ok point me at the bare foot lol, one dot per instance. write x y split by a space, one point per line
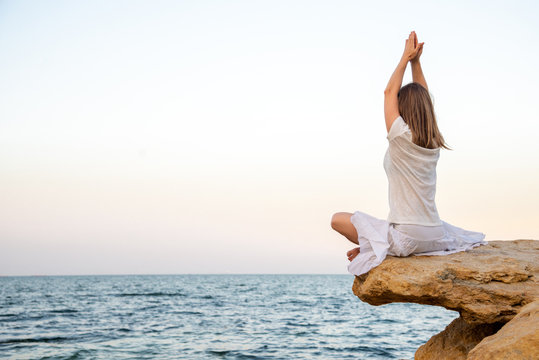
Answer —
352 254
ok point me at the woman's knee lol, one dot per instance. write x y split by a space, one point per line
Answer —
341 223
338 220
335 221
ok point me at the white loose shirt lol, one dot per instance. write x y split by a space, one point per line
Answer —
411 173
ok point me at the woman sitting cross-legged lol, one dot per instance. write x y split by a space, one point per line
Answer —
413 225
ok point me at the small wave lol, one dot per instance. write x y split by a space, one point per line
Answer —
233 353
361 349
187 312
208 297
291 323
81 354
219 352
37 340
246 356
64 311
26 317
11 302
296 302
7 315
150 294
248 290
335 321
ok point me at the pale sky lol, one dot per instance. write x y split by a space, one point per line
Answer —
141 137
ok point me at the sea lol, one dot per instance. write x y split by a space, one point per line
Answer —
206 317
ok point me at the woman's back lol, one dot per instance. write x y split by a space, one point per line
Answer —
411 173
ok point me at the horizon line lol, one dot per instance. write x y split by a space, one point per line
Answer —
168 274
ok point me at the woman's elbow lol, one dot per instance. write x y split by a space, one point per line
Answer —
389 91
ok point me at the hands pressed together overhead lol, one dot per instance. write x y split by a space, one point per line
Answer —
412 49
412 52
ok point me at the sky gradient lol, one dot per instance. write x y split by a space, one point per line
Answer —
220 136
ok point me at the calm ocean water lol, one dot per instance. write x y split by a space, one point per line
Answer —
205 317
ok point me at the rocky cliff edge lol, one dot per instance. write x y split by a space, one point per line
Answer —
494 287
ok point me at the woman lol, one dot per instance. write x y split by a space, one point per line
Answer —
413 225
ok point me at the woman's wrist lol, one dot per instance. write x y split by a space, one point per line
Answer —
403 62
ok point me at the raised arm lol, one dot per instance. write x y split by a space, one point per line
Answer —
417 72
391 103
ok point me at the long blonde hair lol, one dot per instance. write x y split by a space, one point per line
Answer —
415 107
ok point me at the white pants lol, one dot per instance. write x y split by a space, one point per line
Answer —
378 238
429 238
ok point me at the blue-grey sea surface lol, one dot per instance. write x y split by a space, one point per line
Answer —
205 317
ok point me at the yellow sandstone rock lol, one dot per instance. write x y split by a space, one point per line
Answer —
518 339
488 286
455 341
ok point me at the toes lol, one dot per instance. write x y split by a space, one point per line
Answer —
354 251
352 254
